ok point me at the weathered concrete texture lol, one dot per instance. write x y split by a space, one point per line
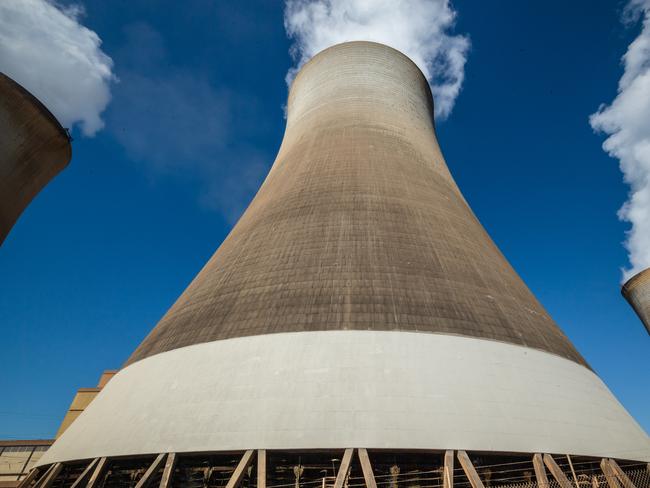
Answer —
359 225
34 148
637 293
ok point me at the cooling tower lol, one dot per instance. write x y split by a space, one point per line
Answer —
636 291
34 148
357 304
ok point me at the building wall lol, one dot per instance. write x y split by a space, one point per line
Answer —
18 457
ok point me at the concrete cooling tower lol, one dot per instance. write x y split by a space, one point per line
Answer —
636 291
34 148
357 327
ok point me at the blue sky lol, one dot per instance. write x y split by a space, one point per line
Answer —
194 124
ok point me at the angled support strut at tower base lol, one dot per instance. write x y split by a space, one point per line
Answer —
620 474
540 471
50 476
94 481
448 470
148 475
469 470
85 474
366 467
344 468
31 476
609 473
168 472
261 468
241 468
557 473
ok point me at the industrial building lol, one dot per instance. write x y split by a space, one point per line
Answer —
18 457
357 327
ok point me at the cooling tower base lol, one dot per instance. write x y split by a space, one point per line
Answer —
345 468
338 389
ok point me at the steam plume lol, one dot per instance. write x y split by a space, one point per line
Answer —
418 28
627 122
45 48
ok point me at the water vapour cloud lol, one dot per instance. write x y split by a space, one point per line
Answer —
44 47
418 28
626 121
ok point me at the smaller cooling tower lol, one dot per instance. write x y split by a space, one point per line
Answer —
34 148
637 293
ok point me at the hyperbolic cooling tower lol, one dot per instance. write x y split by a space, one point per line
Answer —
357 303
34 148
636 291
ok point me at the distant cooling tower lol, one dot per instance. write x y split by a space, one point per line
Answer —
358 304
34 148
637 293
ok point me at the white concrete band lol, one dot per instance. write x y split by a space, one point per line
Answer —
339 389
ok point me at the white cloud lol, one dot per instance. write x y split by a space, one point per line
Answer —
45 48
627 122
418 28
